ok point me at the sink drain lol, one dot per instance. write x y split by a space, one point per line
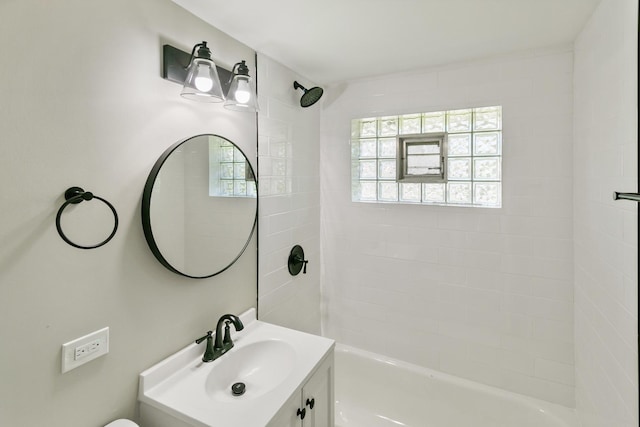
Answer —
238 389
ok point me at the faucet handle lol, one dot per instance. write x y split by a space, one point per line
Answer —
209 333
227 333
208 352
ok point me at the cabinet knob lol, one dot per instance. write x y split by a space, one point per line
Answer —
311 402
301 413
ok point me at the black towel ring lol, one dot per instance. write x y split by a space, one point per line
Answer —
75 195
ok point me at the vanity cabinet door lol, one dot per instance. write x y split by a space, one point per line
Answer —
313 404
318 398
287 415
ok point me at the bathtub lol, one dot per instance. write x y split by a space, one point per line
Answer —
377 391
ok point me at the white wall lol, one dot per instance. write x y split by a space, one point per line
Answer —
289 204
484 294
83 103
606 231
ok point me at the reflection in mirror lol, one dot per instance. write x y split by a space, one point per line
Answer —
199 206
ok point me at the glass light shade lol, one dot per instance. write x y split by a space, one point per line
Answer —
202 82
242 94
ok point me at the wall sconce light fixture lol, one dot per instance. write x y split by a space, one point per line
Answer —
204 81
242 92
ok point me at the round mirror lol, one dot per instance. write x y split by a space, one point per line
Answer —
199 206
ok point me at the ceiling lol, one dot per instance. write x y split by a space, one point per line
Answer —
332 41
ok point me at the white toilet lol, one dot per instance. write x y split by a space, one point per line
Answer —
122 423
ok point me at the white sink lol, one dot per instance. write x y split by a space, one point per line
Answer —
270 360
261 366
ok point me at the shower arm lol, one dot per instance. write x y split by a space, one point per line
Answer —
635 197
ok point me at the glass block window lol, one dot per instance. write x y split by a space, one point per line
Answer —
446 158
229 174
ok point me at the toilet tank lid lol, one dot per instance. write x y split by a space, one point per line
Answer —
122 423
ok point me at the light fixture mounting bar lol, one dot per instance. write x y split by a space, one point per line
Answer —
176 61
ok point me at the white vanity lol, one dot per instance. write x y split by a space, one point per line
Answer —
287 379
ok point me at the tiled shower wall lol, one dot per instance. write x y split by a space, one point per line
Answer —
606 231
485 294
289 204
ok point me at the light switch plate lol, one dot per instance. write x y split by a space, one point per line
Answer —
85 349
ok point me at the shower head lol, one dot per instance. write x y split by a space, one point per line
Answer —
310 97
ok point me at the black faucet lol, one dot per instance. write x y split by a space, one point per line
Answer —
208 353
222 345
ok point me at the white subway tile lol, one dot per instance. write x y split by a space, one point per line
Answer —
518 265
483 354
517 204
420 353
446 238
268 302
545 329
540 388
551 350
517 325
518 284
487 302
558 249
457 221
616 319
517 361
273 280
517 245
388 298
274 204
280 222
452 294
490 242
471 333
554 371
461 366
449 346
448 274
447 313
630 298
553 268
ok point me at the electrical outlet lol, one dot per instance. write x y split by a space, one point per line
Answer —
89 348
85 349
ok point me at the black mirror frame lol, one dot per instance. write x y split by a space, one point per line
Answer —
146 206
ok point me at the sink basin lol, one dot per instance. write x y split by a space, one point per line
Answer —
261 366
270 360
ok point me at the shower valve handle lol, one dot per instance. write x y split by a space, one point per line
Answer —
304 268
297 261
